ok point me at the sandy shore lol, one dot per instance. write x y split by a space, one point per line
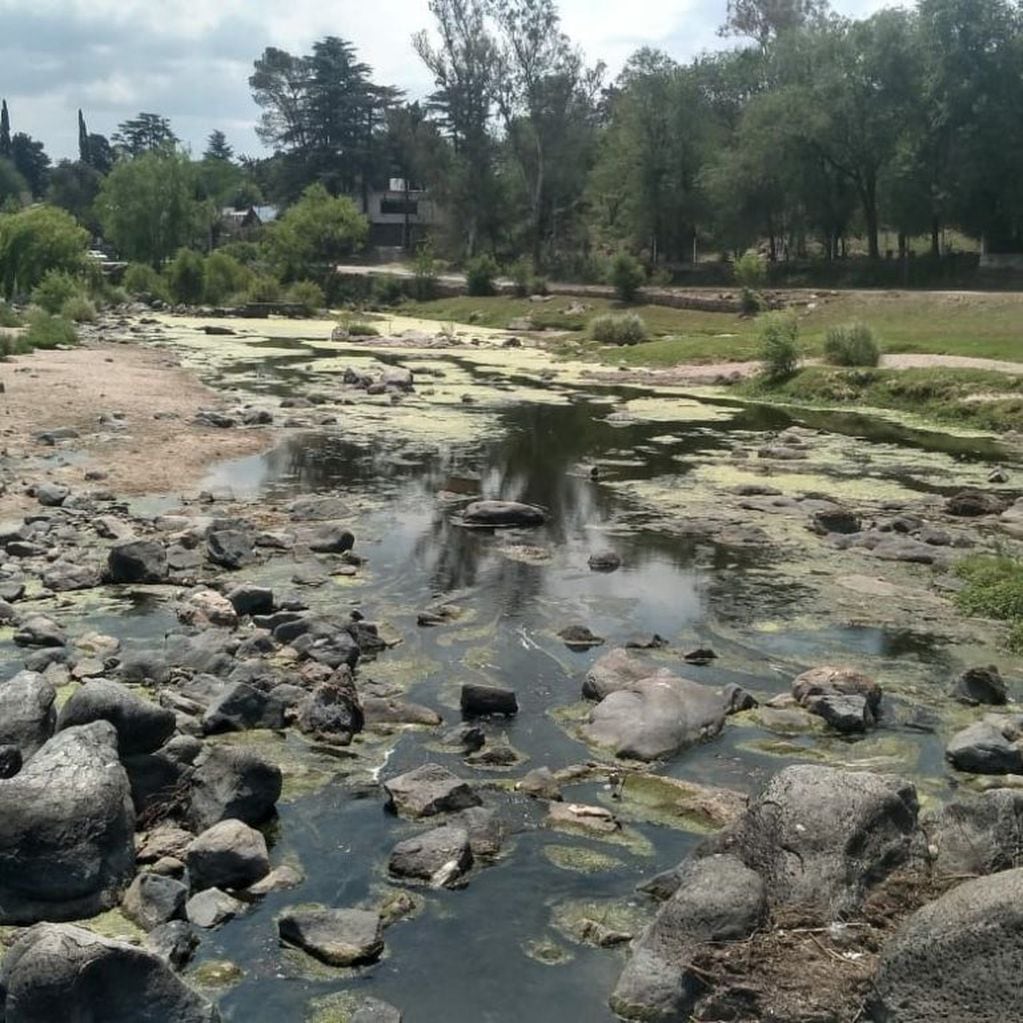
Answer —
133 408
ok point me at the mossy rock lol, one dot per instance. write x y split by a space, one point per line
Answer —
600 923
216 975
548 952
580 859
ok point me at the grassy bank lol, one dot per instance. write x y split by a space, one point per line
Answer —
969 398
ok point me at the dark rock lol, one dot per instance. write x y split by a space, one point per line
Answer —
987 747
214 330
700 657
142 726
257 417
646 641
174 942
502 515
468 738
39 631
228 855
338 937
211 417
579 637
429 790
241 707
152 900
835 520
137 561
441 856
847 700
974 503
605 561
981 685
61 972
977 834
379 711
233 784
10 761
331 539
847 714
212 907
481 701
66 830
252 600
332 711
51 495
229 548
27 717
155 780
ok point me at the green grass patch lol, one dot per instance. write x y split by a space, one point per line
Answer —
46 331
993 589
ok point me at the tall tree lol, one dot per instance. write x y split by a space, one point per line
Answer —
764 20
5 131
217 147
74 187
83 140
30 159
144 134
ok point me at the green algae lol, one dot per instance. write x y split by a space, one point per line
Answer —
656 799
548 952
580 859
216 975
602 923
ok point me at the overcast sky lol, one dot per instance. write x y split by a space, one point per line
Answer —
190 59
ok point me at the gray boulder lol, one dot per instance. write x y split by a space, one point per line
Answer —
240 707
137 561
233 784
152 900
228 855
229 548
66 830
442 855
212 907
847 700
428 791
958 958
142 726
27 717
39 631
981 685
60 972
332 711
51 495
66 576
248 599
990 746
338 937
503 514
331 539
978 834
619 669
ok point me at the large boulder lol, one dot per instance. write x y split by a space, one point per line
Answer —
338 937
958 958
656 718
332 711
240 707
846 699
229 548
228 855
990 746
137 561
231 783
619 669
981 685
820 837
66 830
27 717
977 834
718 899
428 791
61 972
142 726
503 514
442 855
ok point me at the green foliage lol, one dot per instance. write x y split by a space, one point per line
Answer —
387 290
628 329
521 273
307 294
750 272
79 309
317 232
225 277
538 285
9 316
247 253
627 276
851 344
36 241
354 327
424 286
56 288
264 289
142 281
480 274
186 277
779 348
12 185
46 331
993 588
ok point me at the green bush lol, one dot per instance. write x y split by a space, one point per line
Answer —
779 348
354 327
79 309
521 273
852 344
537 285
263 289
187 277
246 253
628 329
307 294
424 285
627 276
142 281
46 331
54 290
387 290
9 316
225 277
750 272
480 274
993 587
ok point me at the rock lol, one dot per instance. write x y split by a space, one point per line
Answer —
835 520
429 790
66 830
318 509
251 600
372 1010
481 701
589 820
701 656
579 637
845 699
211 417
645 641
51 495
974 503
718 899
207 607
27 717
228 855
141 726
61 972
957 958
152 900
986 747
541 784
174 942
820 837
502 515
618 669
39 631
233 784
981 685
278 880
257 417
331 539
977 834
397 377
911 551
378 711
442 853
332 712
137 561
65 577
468 738
229 548
605 561
11 761
337 937
241 707
656 718
847 714
211 908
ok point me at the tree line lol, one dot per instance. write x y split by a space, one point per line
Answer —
806 134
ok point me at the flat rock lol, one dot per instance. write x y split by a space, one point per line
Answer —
443 854
429 790
337 937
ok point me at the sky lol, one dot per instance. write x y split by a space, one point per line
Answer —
190 59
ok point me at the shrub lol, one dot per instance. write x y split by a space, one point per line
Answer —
424 285
225 276
263 289
619 330
993 587
355 327
46 331
79 309
627 276
779 348
387 290
307 294
187 277
479 275
537 285
852 344
8 316
54 290
142 281
750 272
521 272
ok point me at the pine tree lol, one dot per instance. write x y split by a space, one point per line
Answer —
83 140
5 131
217 147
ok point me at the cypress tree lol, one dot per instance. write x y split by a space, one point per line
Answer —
5 131
83 141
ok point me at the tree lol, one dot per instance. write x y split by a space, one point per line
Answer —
36 241
415 153
101 153
217 148
74 187
83 139
317 231
147 206
5 131
31 161
13 187
144 134
764 20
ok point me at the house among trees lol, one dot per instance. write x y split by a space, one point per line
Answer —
400 216
242 223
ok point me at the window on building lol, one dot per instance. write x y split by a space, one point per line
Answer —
395 207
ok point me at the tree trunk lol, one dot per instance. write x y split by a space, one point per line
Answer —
870 215
935 237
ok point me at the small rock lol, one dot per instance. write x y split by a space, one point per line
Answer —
211 908
228 855
481 701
